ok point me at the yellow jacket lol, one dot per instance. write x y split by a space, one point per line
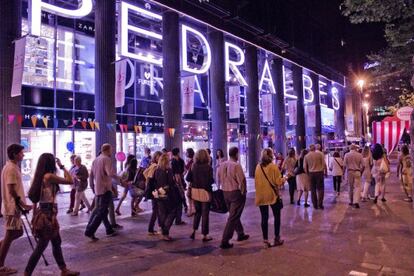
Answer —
264 193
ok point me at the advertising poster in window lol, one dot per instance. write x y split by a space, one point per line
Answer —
292 109
328 119
234 102
120 73
187 95
267 107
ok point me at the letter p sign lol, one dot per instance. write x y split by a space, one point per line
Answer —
36 7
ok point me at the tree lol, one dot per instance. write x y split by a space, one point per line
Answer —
394 68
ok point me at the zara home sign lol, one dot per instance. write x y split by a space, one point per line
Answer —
124 28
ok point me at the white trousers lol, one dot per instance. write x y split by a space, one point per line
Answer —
366 189
80 196
354 182
380 186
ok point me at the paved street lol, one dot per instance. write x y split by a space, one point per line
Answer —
376 239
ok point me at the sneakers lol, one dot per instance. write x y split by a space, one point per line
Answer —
207 239
243 237
408 199
67 272
266 244
117 226
307 205
111 234
92 237
226 245
278 242
69 211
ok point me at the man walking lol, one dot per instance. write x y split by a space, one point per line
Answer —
102 173
12 192
315 166
231 180
353 164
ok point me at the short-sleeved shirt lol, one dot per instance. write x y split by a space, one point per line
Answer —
11 175
230 177
102 171
145 162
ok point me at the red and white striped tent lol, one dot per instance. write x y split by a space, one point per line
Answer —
388 132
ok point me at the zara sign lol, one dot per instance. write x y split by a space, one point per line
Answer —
125 28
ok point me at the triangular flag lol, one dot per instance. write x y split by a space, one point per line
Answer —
34 120
11 118
92 124
171 131
20 119
121 128
136 129
148 129
83 123
66 122
125 128
45 122
74 122
97 126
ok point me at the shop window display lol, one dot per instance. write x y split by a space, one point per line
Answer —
85 147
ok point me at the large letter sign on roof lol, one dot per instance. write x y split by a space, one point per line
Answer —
36 7
231 64
124 28
266 76
207 58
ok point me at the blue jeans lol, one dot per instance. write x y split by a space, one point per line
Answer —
100 214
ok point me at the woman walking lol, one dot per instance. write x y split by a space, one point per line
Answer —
149 176
268 179
367 172
166 194
80 179
405 172
289 168
201 177
44 188
219 157
126 188
380 171
302 179
337 169
129 177
190 160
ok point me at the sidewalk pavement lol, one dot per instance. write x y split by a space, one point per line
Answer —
340 240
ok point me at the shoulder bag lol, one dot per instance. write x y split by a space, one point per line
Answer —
279 201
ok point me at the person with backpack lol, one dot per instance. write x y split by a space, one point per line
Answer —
405 172
45 226
12 193
80 179
337 169
123 175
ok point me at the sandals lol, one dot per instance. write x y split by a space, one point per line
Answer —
5 270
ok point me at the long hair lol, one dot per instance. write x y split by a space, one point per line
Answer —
164 162
366 151
292 153
377 152
266 157
132 169
405 150
303 153
201 157
45 164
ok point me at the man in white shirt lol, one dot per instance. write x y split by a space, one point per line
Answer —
102 173
12 192
353 164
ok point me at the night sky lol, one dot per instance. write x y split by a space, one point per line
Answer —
316 27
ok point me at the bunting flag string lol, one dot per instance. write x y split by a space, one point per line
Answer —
92 124
34 120
45 121
11 118
83 123
97 126
20 119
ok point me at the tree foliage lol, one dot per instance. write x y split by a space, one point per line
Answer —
392 77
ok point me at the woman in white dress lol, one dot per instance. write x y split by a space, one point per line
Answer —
366 173
405 172
380 171
302 179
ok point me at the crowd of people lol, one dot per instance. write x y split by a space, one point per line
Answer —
176 187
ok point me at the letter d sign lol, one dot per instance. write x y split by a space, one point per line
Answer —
36 7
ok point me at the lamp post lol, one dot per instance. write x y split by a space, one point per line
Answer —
366 108
361 84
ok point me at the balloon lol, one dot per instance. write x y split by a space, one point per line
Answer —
120 156
70 146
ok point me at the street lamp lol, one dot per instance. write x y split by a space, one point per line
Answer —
361 83
366 107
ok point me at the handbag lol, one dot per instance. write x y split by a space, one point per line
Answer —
199 194
218 204
279 201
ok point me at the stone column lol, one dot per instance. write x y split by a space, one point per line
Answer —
317 130
10 20
340 114
171 76
253 114
300 124
279 117
105 26
218 93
